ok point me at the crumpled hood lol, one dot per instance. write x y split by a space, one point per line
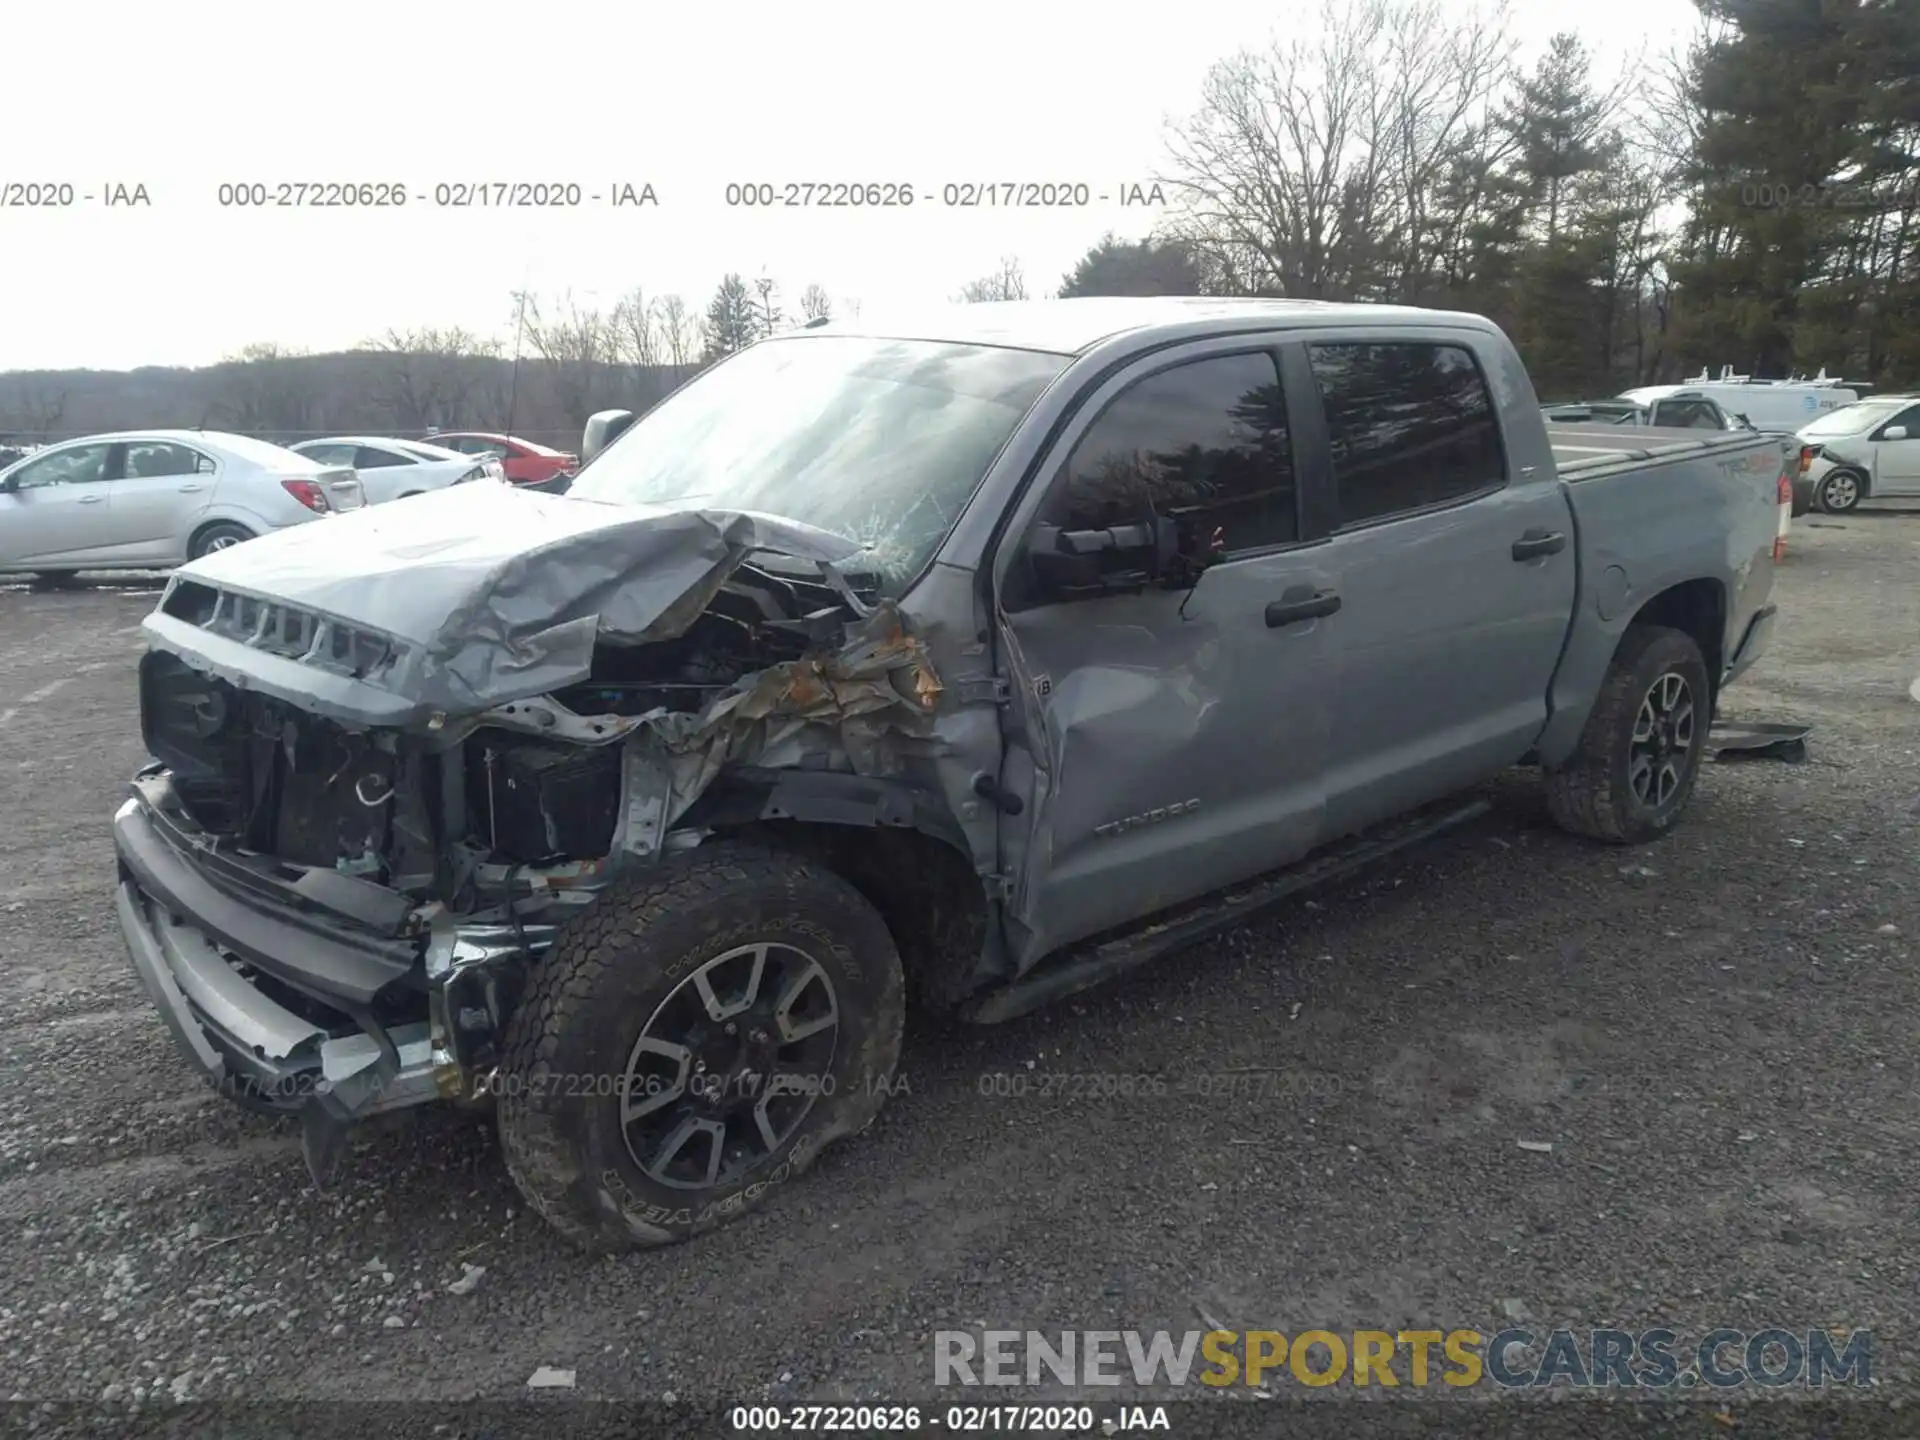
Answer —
493 594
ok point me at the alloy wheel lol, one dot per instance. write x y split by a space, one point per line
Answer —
1663 736
729 1065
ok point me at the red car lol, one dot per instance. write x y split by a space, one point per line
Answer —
525 462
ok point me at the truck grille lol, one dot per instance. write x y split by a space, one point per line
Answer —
281 629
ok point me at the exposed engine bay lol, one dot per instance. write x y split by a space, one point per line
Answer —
541 784
393 758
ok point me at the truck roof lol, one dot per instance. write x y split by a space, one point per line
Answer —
1069 327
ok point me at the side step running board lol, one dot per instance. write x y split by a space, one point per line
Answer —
1081 969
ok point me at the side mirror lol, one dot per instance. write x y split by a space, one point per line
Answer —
1894 432
1153 551
602 430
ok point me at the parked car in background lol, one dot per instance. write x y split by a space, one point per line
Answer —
1867 449
1777 406
10 453
396 469
152 499
525 462
1683 410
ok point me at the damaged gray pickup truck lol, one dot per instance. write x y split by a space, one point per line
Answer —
963 662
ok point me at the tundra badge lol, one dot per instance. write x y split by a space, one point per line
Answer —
1148 817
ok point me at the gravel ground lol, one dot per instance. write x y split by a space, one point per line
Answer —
1714 1035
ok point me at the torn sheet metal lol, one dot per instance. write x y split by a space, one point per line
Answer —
873 700
493 594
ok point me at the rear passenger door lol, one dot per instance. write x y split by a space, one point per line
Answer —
1456 577
1173 741
161 489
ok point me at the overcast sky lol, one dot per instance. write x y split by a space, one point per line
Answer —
185 96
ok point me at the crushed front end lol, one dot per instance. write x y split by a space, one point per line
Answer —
332 881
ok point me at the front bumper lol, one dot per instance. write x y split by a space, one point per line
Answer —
303 1008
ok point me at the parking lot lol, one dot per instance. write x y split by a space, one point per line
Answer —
1715 1035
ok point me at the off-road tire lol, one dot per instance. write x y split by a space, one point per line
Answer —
203 541
1823 491
1590 794
587 1000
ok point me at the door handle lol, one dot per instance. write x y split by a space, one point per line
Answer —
191 489
1301 603
1537 542
90 499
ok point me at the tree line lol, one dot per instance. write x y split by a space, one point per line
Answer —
1751 201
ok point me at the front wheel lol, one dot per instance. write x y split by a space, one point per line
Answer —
1638 758
1839 492
693 1042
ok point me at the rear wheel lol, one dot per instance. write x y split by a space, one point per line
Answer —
223 535
1840 491
693 1042
1640 753
55 579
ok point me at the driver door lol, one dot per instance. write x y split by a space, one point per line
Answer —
1897 461
54 512
1173 741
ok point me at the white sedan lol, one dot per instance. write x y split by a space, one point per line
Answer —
152 499
396 469
1869 449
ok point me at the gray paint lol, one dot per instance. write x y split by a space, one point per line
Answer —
489 593
1155 755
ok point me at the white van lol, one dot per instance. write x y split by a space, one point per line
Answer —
1778 406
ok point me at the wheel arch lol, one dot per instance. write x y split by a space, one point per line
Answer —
1697 607
210 520
892 841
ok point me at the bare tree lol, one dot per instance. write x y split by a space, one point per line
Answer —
437 377
636 329
767 304
679 334
36 413
815 304
1007 282
1311 167
578 345
261 392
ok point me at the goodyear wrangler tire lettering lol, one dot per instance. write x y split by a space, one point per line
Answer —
622 974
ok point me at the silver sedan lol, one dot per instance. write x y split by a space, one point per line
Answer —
152 499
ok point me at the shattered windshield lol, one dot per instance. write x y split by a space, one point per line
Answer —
882 441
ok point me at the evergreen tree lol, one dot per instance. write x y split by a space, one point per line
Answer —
1134 267
733 319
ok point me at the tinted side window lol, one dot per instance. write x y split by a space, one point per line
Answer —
1410 425
1205 443
155 458
368 458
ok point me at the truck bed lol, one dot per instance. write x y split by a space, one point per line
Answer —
1595 450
